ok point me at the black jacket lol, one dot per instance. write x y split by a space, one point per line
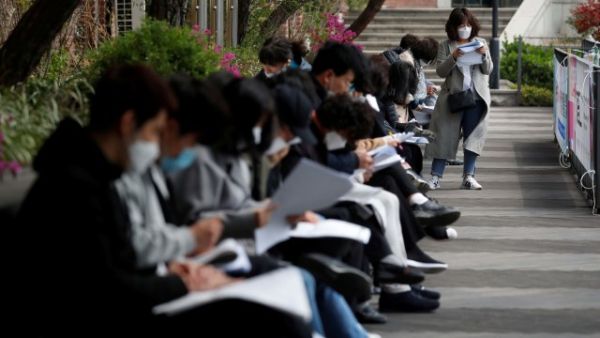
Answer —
77 263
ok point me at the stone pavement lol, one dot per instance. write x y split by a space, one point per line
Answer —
527 260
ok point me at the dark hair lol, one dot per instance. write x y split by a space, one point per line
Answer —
425 49
301 80
362 76
401 76
250 101
128 87
336 56
275 50
457 17
299 51
202 109
408 41
343 114
380 74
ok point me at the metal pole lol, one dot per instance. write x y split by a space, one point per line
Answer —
234 23
202 17
520 64
220 22
495 48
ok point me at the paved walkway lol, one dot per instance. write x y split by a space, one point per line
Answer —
527 261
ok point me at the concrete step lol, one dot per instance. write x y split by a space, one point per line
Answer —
420 28
416 12
407 18
380 45
434 32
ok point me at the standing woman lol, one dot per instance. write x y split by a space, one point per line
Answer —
462 27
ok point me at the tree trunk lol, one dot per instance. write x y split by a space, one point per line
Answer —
32 37
172 11
280 15
367 15
243 17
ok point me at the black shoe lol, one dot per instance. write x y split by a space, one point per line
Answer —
421 183
433 213
385 273
427 293
454 162
406 302
420 260
346 280
366 314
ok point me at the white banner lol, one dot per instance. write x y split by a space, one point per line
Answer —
583 113
561 99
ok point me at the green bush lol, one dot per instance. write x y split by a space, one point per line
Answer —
357 5
536 67
29 113
166 49
536 96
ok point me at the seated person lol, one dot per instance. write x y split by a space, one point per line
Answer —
74 220
274 56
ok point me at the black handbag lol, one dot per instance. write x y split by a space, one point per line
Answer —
461 101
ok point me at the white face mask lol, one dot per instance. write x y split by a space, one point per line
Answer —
464 32
142 154
425 63
334 141
257 132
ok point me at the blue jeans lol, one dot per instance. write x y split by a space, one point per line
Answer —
338 319
331 315
470 120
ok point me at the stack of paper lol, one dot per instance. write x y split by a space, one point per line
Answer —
310 186
470 56
282 289
384 157
228 256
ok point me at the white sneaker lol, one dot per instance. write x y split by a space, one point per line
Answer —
469 183
434 183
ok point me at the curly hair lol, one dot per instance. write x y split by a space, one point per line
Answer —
347 116
457 17
425 49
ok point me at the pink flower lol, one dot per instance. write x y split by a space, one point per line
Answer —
218 49
207 32
196 28
14 167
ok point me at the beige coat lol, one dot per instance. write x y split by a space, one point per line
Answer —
445 124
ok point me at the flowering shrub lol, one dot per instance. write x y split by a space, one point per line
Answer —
335 30
166 49
30 111
586 18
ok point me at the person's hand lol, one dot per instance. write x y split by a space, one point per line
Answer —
367 175
481 50
278 156
430 90
200 277
264 213
207 233
457 53
306 217
392 142
365 160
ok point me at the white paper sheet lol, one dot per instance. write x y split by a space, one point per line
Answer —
401 137
332 228
417 140
228 246
310 186
384 157
427 109
281 289
471 46
470 59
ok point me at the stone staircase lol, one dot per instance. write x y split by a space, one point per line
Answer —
390 25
